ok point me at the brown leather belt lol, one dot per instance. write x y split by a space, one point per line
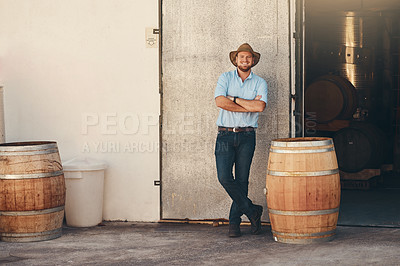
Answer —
236 129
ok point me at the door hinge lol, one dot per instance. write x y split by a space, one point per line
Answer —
157 183
296 113
156 31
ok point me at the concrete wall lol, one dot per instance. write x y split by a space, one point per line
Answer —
197 38
79 72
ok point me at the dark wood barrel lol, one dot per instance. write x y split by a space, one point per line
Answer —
360 146
330 97
32 190
303 190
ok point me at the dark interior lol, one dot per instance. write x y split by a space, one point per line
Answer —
351 80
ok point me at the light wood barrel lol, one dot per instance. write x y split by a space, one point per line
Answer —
32 191
2 126
303 190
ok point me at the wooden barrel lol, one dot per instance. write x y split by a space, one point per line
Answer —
330 97
303 190
359 146
2 126
32 191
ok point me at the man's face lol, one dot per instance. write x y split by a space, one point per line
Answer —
244 61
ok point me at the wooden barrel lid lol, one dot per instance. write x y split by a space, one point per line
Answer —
330 97
359 146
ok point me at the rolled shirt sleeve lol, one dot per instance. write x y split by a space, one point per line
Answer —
222 86
263 91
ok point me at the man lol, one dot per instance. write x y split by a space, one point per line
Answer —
241 95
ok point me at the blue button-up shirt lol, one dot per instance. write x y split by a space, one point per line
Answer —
230 84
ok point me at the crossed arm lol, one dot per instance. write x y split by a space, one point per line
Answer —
241 105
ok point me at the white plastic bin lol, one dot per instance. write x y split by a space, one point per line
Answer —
84 181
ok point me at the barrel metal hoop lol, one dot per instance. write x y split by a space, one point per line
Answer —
303 240
295 144
32 234
29 213
29 237
304 235
22 148
303 213
302 174
302 151
26 153
31 176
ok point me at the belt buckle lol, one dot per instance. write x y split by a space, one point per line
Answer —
235 129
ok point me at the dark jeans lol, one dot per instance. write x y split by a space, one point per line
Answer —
236 149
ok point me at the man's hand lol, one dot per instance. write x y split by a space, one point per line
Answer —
258 97
227 103
241 105
254 106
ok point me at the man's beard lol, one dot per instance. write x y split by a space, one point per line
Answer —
244 69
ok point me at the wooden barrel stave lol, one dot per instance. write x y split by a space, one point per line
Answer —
19 227
21 163
32 190
289 228
32 194
303 190
324 189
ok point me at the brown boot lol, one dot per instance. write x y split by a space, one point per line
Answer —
255 220
234 230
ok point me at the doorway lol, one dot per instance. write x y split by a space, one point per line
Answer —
348 77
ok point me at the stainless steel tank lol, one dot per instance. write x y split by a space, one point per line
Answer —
347 44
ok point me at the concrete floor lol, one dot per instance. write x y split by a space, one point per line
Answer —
127 243
370 207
